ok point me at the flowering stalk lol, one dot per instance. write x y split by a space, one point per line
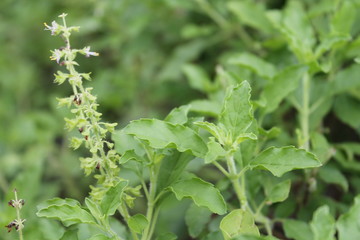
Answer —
84 106
18 223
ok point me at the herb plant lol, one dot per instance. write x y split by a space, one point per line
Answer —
263 145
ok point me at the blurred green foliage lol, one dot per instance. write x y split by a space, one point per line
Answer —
149 53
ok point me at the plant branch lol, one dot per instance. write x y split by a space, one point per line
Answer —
305 113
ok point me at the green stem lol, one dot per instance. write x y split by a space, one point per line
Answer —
239 188
19 220
153 222
305 112
266 221
220 20
151 204
125 213
144 188
223 170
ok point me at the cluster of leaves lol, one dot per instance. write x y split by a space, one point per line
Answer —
298 57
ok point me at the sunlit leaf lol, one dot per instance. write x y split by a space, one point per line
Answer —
178 115
236 115
94 208
215 151
172 166
344 18
160 134
67 211
238 222
348 225
281 160
203 194
206 107
279 192
255 64
112 199
297 230
138 223
294 24
282 85
125 142
329 42
323 224
130 155
333 175
346 79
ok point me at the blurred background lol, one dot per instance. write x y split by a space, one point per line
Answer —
144 46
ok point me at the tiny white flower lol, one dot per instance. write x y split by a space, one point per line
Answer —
56 55
88 53
53 28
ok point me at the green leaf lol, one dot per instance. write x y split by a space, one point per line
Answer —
251 14
333 175
279 192
125 142
67 211
70 235
58 201
245 136
294 24
282 85
213 129
255 64
171 168
178 115
198 78
271 133
94 208
215 152
196 219
138 223
203 194
167 236
112 199
247 237
130 155
344 18
236 115
100 237
51 229
347 109
323 224
206 107
160 134
297 230
238 222
320 147
329 42
348 225
281 160
346 79
216 235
